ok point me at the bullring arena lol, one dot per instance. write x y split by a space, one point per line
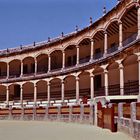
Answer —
89 76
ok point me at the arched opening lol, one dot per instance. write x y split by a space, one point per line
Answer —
56 60
99 88
130 26
113 37
28 65
70 88
42 63
3 70
113 79
131 83
70 56
14 68
28 91
85 48
2 93
14 92
84 85
55 93
42 90
98 44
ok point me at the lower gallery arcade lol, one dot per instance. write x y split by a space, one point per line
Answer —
119 77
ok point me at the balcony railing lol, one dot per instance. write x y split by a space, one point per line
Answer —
130 39
112 49
84 60
98 55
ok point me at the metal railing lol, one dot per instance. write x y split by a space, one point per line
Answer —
112 49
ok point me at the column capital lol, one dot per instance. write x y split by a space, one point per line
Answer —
77 46
121 66
105 71
120 22
62 81
92 75
105 32
77 78
92 40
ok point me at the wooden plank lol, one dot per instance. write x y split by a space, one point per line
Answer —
87 109
28 111
52 110
76 110
4 112
126 110
40 110
65 110
138 111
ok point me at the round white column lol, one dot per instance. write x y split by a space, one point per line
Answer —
7 70
7 96
35 66
63 64
106 81
49 63
121 79
105 43
49 90
92 50
77 48
138 7
21 69
62 90
92 85
120 34
21 95
77 89
35 94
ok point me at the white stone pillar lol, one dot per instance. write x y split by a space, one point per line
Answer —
62 90
35 94
92 50
106 81
49 63
7 70
21 69
92 86
63 63
139 72
77 47
21 95
121 79
49 90
35 66
105 43
77 89
138 21
120 34
7 96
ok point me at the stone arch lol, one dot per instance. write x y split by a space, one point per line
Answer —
42 63
70 87
2 93
3 70
15 71
84 86
55 89
28 91
42 90
84 50
14 91
131 86
28 65
56 59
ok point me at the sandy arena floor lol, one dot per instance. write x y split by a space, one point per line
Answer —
29 130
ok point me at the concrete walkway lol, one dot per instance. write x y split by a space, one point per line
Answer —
29 130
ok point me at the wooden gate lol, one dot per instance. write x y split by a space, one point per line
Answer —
106 116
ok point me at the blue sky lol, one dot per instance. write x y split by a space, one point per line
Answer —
26 21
